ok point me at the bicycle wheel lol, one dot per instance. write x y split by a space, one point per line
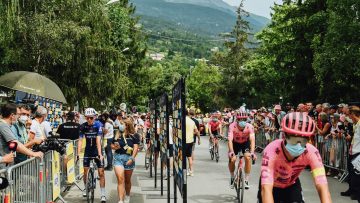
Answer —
90 186
147 160
217 154
212 153
240 186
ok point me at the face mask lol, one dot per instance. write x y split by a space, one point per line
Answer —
121 128
295 150
242 124
23 119
215 119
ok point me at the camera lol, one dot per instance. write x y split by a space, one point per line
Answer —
51 144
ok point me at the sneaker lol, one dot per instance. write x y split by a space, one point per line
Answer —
232 183
127 199
84 194
103 199
191 174
120 201
247 185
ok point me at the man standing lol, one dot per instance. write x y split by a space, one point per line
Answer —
191 129
9 117
36 129
20 132
69 129
354 175
192 115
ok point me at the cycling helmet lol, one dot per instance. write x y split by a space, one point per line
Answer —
90 112
298 123
242 114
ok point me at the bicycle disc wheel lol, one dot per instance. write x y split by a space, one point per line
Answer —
242 186
217 154
212 153
147 161
88 186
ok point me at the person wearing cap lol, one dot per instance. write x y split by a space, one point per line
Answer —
278 117
354 151
69 129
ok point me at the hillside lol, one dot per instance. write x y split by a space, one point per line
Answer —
205 17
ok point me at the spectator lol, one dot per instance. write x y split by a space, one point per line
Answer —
191 129
192 116
126 148
9 117
46 125
20 132
69 129
36 130
322 132
354 176
333 109
108 136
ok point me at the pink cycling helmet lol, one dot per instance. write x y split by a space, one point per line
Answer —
241 115
298 123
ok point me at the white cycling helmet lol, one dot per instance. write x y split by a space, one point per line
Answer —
90 112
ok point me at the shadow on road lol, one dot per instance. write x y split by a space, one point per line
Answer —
212 198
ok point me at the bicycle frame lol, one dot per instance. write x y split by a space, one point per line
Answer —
239 178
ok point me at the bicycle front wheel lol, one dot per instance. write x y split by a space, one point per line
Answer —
212 153
90 186
217 154
240 182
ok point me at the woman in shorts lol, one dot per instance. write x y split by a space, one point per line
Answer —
126 148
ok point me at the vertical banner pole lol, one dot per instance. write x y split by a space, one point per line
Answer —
183 128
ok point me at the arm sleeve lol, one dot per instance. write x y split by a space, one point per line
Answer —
267 169
231 134
317 167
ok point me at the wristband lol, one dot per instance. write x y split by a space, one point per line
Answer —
231 154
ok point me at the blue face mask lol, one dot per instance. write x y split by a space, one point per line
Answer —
295 150
121 128
242 124
215 119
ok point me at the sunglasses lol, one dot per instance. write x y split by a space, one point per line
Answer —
89 118
295 139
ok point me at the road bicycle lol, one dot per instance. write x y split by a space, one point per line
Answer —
91 178
214 151
239 179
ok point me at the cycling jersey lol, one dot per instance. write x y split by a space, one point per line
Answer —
276 170
90 133
214 127
240 136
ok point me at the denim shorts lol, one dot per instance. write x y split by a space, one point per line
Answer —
121 160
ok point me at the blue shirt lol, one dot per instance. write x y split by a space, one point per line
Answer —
90 133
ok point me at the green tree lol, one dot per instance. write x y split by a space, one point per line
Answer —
203 87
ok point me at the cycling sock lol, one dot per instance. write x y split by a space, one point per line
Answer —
232 175
247 175
102 190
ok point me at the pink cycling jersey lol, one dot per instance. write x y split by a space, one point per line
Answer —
240 136
276 170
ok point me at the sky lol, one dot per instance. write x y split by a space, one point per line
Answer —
259 7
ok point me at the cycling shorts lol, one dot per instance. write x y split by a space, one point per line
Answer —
291 194
243 147
99 164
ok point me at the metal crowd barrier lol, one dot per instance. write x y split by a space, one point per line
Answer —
40 181
334 153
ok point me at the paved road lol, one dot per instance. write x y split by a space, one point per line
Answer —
210 183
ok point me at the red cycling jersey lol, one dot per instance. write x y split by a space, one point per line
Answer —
276 170
240 136
214 126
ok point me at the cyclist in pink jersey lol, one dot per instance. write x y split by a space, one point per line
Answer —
241 138
283 161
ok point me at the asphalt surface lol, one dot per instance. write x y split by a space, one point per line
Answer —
210 183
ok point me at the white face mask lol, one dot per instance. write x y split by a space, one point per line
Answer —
23 119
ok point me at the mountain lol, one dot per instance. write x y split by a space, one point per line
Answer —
205 17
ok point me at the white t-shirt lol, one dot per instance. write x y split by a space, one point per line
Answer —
171 142
110 130
37 129
47 128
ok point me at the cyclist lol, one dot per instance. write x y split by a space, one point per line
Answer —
92 132
241 137
215 131
284 159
